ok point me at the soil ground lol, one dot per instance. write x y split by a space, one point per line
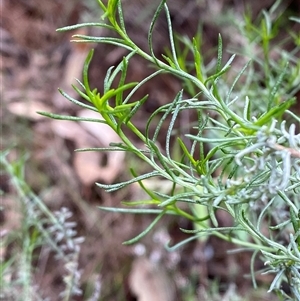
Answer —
36 60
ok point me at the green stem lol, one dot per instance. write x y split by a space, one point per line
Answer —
224 110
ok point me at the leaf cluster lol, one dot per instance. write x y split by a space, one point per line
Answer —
243 150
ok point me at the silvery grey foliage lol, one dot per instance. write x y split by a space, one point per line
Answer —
239 156
273 159
64 234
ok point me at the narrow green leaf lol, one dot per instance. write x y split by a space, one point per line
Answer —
276 87
141 83
177 197
109 94
167 109
82 94
295 19
151 28
146 231
140 203
70 118
175 112
105 40
85 73
90 24
137 106
218 140
111 11
247 109
197 60
121 17
186 152
171 37
235 81
140 182
161 158
111 77
107 83
295 220
117 186
183 242
103 7
131 210
214 229
79 103
217 75
275 112
220 53
119 96
170 62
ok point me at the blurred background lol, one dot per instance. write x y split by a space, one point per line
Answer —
36 61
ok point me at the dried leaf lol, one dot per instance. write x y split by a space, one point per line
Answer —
28 109
92 166
149 281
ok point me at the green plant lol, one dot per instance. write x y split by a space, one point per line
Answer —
243 150
40 232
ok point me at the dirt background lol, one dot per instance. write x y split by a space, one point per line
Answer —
36 60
